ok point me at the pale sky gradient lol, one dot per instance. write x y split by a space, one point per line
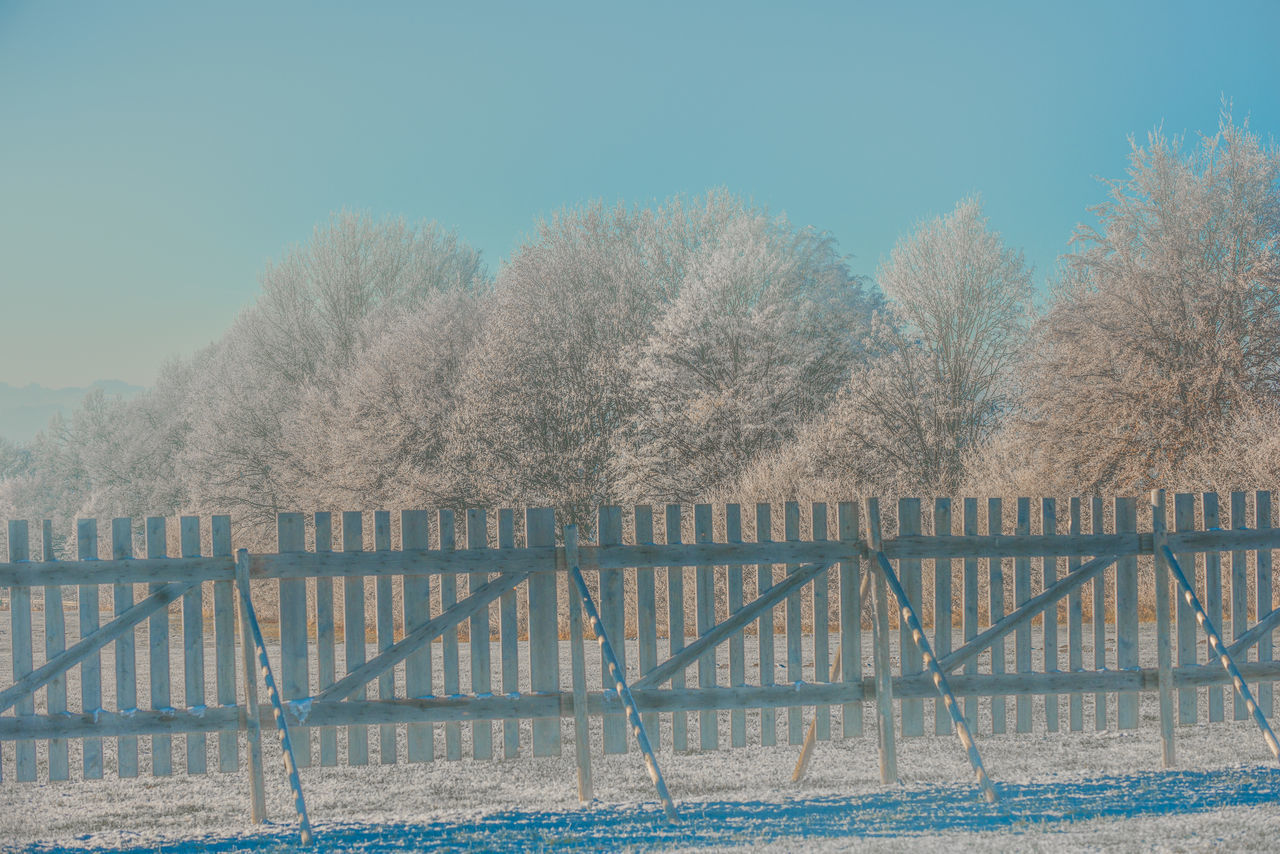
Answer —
154 156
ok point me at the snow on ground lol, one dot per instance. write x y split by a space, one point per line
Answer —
1061 791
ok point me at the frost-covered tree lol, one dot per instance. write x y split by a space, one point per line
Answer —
765 327
940 376
318 308
1167 320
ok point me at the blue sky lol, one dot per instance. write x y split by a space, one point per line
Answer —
155 156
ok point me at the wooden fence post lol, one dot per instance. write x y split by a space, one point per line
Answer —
884 675
1163 643
249 711
577 656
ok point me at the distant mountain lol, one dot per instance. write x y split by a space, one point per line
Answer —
26 410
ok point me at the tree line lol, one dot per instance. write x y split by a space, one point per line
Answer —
705 348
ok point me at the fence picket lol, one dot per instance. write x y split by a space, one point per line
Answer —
126 661
1213 593
821 625
613 616
509 627
970 529
158 652
385 624
326 637
676 627
544 629
1049 574
55 641
646 617
224 643
449 643
850 617
1184 519
1239 588
1021 593
20 625
294 677
415 535
1099 619
478 636
764 580
1075 628
1265 596
995 570
737 648
705 611
1127 612
942 603
193 694
795 625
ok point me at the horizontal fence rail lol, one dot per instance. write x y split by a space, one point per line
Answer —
426 636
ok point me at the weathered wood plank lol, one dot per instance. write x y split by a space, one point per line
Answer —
385 623
478 635
1164 649
764 580
578 675
821 625
737 648
1099 619
23 661
126 657
1075 627
1265 596
942 600
1239 588
158 648
544 630
1021 593
1049 575
705 614
354 631
795 626
55 641
326 637
880 638
676 627
850 617
415 532
1213 593
224 642
647 617
912 711
970 529
294 677
449 643
1184 519
995 570
509 626
193 693
1127 612
613 615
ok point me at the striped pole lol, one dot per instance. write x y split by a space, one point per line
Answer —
939 679
620 685
1224 657
264 666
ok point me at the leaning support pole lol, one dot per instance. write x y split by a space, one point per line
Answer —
1224 658
251 620
620 684
939 678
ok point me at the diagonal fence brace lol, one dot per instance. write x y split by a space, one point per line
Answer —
620 685
264 665
1224 657
939 678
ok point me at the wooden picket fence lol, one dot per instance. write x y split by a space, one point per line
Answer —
760 602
